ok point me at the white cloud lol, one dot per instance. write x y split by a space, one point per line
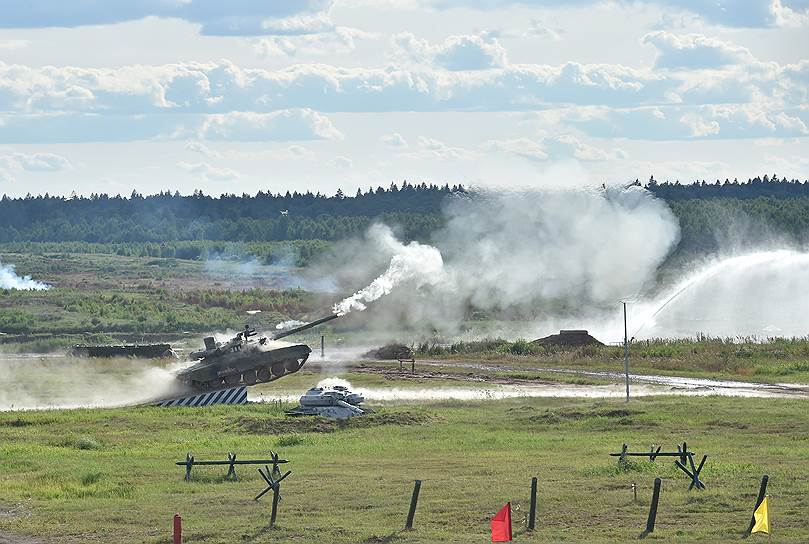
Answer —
342 163
553 148
394 140
207 172
432 148
339 41
290 152
284 125
469 52
215 18
695 51
567 146
712 121
298 24
34 162
217 101
538 28
522 147
731 13
11 45
222 87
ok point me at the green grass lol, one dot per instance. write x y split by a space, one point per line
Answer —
108 475
99 295
774 360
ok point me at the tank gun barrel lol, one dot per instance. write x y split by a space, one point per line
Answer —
304 327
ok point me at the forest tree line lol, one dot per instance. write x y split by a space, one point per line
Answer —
712 216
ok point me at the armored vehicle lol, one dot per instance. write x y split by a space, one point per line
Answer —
243 360
336 402
145 351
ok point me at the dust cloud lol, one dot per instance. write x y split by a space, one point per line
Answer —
30 382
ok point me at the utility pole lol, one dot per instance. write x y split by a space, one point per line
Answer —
626 354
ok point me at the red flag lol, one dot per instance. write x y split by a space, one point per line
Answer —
501 524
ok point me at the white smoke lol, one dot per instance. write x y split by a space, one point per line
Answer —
533 251
330 383
284 325
414 263
582 245
10 280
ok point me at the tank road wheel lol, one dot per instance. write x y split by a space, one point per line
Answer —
278 369
233 379
292 365
263 374
249 376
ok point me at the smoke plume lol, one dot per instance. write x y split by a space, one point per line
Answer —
413 263
536 253
10 280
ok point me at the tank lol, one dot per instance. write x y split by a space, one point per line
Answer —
335 402
245 360
144 351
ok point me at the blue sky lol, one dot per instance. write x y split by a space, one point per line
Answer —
111 96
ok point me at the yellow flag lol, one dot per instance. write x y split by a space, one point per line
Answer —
762 516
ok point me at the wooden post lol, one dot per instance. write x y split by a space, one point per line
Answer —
634 492
413 365
762 492
322 346
650 521
276 494
413 502
232 467
189 462
178 529
532 513
622 458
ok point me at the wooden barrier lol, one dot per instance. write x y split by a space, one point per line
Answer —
231 462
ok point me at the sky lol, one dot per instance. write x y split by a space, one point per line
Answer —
111 96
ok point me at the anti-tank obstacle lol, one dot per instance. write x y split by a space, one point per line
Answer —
231 462
682 454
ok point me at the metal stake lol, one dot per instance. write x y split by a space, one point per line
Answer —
762 492
650 521
532 513
413 502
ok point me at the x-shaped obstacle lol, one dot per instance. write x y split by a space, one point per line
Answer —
272 484
694 472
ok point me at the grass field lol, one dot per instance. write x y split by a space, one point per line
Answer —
776 360
107 475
